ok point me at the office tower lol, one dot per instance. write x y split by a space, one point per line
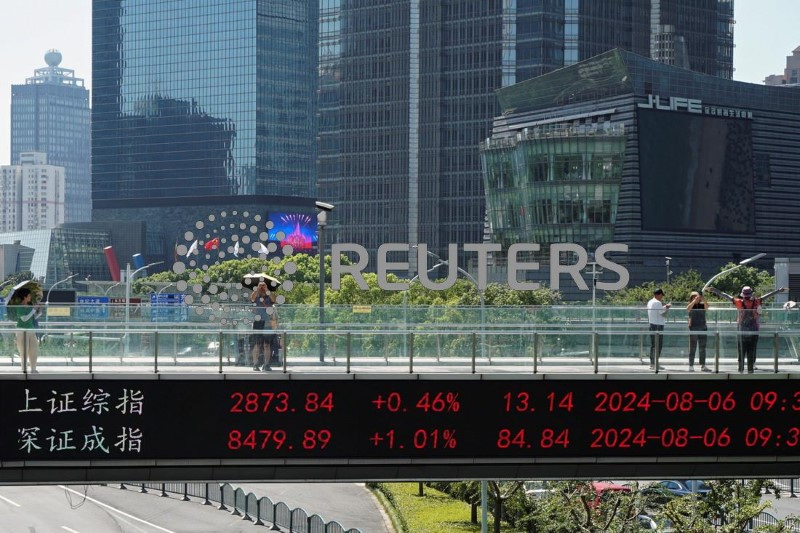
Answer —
407 92
32 194
791 74
201 101
50 114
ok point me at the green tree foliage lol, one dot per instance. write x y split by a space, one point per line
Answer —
574 506
732 503
13 279
732 282
681 286
678 290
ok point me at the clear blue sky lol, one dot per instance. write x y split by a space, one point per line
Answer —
766 32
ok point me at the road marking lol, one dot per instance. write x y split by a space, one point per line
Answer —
69 529
15 504
114 509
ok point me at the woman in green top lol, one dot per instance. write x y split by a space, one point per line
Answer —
26 312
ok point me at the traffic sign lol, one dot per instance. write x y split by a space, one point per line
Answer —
92 307
168 307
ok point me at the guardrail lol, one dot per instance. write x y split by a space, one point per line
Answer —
248 506
520 349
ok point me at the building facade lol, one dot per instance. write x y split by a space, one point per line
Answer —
32 194
669 162
407 91
791 74
200 100
50 114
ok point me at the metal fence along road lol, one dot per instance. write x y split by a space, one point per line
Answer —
261 511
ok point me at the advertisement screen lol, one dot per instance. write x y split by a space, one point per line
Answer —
296 229
696 173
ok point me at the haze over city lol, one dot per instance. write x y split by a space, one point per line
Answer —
765 33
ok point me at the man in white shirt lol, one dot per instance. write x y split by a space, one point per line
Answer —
656 313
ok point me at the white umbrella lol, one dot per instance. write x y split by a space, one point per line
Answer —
251 280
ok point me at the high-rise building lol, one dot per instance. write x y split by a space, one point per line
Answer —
50 114
791 74
199 100
31 194
407 92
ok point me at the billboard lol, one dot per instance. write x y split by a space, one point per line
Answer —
696 173
296 229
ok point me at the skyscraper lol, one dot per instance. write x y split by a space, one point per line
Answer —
199 100
31 194
407 93
50 114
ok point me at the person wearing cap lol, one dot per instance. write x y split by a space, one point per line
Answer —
656 315
747 322
697 327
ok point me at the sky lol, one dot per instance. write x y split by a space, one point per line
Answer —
766 32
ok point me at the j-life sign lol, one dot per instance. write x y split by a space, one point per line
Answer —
482 251
692 105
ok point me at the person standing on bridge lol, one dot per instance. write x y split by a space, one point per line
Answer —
265 318
748 322
27 343
656 315
697 329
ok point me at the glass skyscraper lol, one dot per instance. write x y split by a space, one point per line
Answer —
198 99
408 92
50 114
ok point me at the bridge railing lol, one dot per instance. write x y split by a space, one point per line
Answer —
247 505
520 348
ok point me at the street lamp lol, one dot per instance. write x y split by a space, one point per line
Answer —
480 295
47 298
128 278
668 259
594 272
105 292
741 264
322 221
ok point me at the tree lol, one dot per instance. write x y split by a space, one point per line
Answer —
732 282
732 503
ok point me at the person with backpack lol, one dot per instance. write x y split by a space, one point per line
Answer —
747 321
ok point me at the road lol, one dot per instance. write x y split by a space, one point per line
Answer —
350 504
93 508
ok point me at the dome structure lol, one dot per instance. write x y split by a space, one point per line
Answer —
52 58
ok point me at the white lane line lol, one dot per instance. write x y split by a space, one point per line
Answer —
68 529
15 504
114 509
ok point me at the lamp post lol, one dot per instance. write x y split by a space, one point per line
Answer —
47 298
105 292
480 296
405 296
668 259
322 221
741 264
128 278
594 272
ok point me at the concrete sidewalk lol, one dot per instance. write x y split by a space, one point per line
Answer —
350 504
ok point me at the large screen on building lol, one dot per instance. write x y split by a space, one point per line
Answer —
297 229
696 172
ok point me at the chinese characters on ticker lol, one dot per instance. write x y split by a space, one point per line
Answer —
385 419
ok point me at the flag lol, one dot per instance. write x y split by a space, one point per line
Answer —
262 249
213 244
192 249
175 252
236 250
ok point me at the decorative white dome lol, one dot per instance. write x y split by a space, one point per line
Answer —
52 58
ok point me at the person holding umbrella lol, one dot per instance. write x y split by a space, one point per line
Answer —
264 312
25 312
